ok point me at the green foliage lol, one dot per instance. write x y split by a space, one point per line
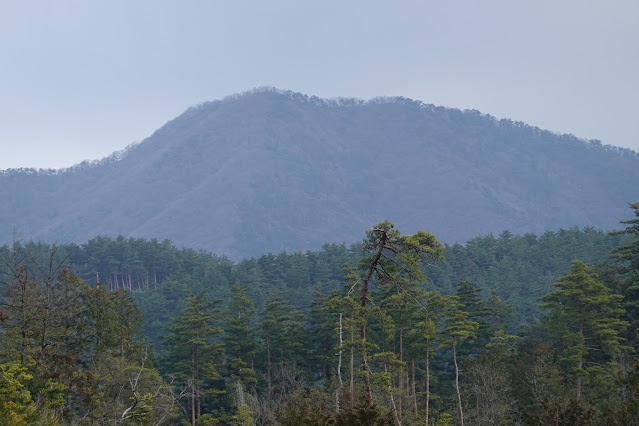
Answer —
282 326
458 327
112 322
573 413
282 331
364 414
393 263
584 316
623 408
239 336
489 392
520 269
478 311
306 408
128 391
192 353
537 377
321 334
392 259
80 346
626 256
243 416
269 352
444 419
16 404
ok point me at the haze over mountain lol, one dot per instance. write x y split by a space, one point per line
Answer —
270 170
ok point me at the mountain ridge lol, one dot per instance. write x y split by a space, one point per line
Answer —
272 170
338 101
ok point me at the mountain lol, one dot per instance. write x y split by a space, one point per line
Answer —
272 170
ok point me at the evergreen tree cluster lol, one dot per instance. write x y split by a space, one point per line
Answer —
71 353
398 330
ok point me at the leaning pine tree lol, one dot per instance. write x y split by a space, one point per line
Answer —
390 260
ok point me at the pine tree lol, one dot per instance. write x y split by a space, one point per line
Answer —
239 337
16 404
458 329
391 260
585 317
627 257
424 338
468 296
321 333
282 331
192 349
241 345
487 382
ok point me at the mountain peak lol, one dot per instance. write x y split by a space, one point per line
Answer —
272 170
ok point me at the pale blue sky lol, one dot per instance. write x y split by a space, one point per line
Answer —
81 79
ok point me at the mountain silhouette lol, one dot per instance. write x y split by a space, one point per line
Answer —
271 170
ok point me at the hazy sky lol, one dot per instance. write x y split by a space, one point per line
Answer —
81 79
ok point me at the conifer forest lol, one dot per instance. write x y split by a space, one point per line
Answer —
398 329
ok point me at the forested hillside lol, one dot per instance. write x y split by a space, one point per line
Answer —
400 329
520 269
271 171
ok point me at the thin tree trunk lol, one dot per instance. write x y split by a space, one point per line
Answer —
197 384
268 372
351 367
427 384
367 380
43 339
395 413
192 387
414 394
363 302
23 326
282 370
339 366
23 350
401 373
459 401
580 364
578 390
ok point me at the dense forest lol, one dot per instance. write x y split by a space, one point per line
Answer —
397 330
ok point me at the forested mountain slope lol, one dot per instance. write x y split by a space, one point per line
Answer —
268 171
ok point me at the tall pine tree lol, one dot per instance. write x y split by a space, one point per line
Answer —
585 318
192 350
627 257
